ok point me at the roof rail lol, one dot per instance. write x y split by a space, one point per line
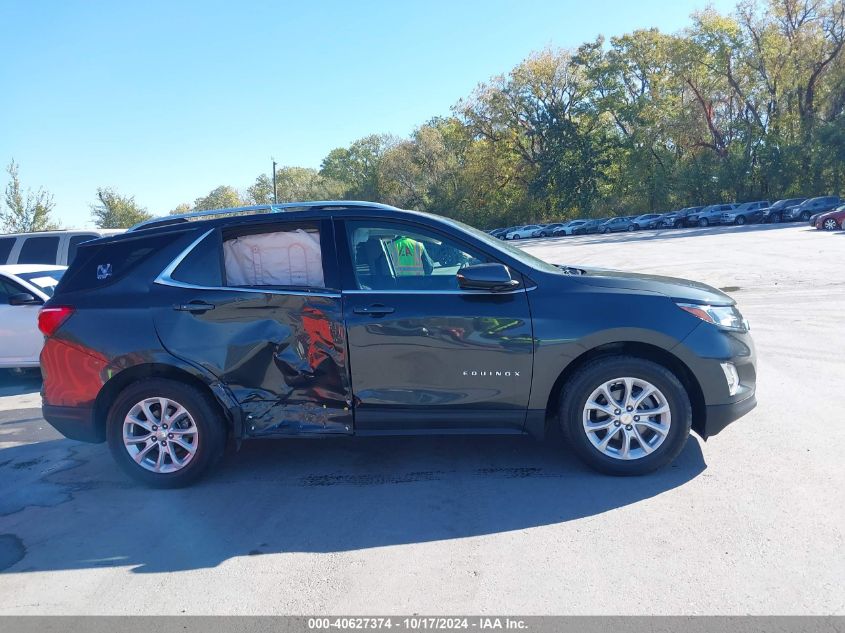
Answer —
323 205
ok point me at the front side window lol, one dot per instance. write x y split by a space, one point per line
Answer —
398 257
285 257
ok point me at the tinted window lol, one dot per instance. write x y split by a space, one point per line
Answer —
7 289
6 244
45 280
39 250
201 267
73 245
396 257
99 264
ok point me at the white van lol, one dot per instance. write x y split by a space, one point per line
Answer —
47 247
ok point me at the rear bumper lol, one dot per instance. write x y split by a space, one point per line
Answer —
720 415
76 423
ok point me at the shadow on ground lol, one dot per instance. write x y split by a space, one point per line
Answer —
65 506
18 383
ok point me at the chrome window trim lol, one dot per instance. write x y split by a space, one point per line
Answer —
165 278
359 291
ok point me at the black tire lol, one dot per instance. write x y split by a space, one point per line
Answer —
777 218
632 227
703 222
741 220
579 387
830 225
805 216
679 225
211 430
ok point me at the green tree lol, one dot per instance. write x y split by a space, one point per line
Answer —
115 211
222 197
179 209
25 212
357 167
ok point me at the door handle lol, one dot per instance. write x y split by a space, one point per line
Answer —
194 306
374 310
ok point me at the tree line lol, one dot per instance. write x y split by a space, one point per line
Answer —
734 107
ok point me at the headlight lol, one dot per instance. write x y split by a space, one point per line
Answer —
723 316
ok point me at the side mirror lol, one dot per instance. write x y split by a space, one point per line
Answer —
490 277
24 299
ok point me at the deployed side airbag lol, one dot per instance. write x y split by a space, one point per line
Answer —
284 258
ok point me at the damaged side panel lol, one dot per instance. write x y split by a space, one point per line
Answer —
283 356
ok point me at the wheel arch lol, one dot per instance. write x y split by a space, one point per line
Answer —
113 387
645 351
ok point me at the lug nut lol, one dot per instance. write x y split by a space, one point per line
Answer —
617 423
155 428
164 426
630 408
636 418
617 412
628 427
163 443
170 436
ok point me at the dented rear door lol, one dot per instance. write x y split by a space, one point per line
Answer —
281 351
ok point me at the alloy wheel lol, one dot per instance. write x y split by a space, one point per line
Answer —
160 435
830 224
627 418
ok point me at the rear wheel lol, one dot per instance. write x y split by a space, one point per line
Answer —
703 222
165 433
625 415
805 215
741 220
632 227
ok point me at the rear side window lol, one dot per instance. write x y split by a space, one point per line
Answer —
6 244
99 264
39 250
73 245
289 256
201 267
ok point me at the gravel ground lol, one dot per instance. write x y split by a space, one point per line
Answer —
748 523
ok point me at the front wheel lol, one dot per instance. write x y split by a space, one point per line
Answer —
632 227
830 225
624 415
165 433
741 220
805 215
703 222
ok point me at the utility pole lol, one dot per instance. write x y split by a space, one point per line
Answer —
275 193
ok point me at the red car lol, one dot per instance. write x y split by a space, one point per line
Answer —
832 220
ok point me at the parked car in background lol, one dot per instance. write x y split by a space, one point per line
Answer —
522 232
500 233
614 225
568 227
646 221
46 247
832 220
746 213
775 213
709 215
677 219
549 229
811 207
589 226
23 290
189 345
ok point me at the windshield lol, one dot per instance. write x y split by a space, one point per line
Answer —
498 245
45 280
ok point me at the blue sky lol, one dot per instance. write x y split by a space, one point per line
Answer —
165 100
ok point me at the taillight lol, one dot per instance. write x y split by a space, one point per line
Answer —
50 319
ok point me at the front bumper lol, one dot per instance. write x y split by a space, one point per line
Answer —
75 423
718 416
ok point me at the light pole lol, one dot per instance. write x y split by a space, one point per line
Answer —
275 194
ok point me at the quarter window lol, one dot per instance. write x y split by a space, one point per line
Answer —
398 257
6 245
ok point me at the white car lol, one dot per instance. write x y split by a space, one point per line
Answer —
23 289
531 230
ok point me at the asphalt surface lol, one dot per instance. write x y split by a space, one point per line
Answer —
748 523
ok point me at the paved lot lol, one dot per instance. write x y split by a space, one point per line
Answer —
750 522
